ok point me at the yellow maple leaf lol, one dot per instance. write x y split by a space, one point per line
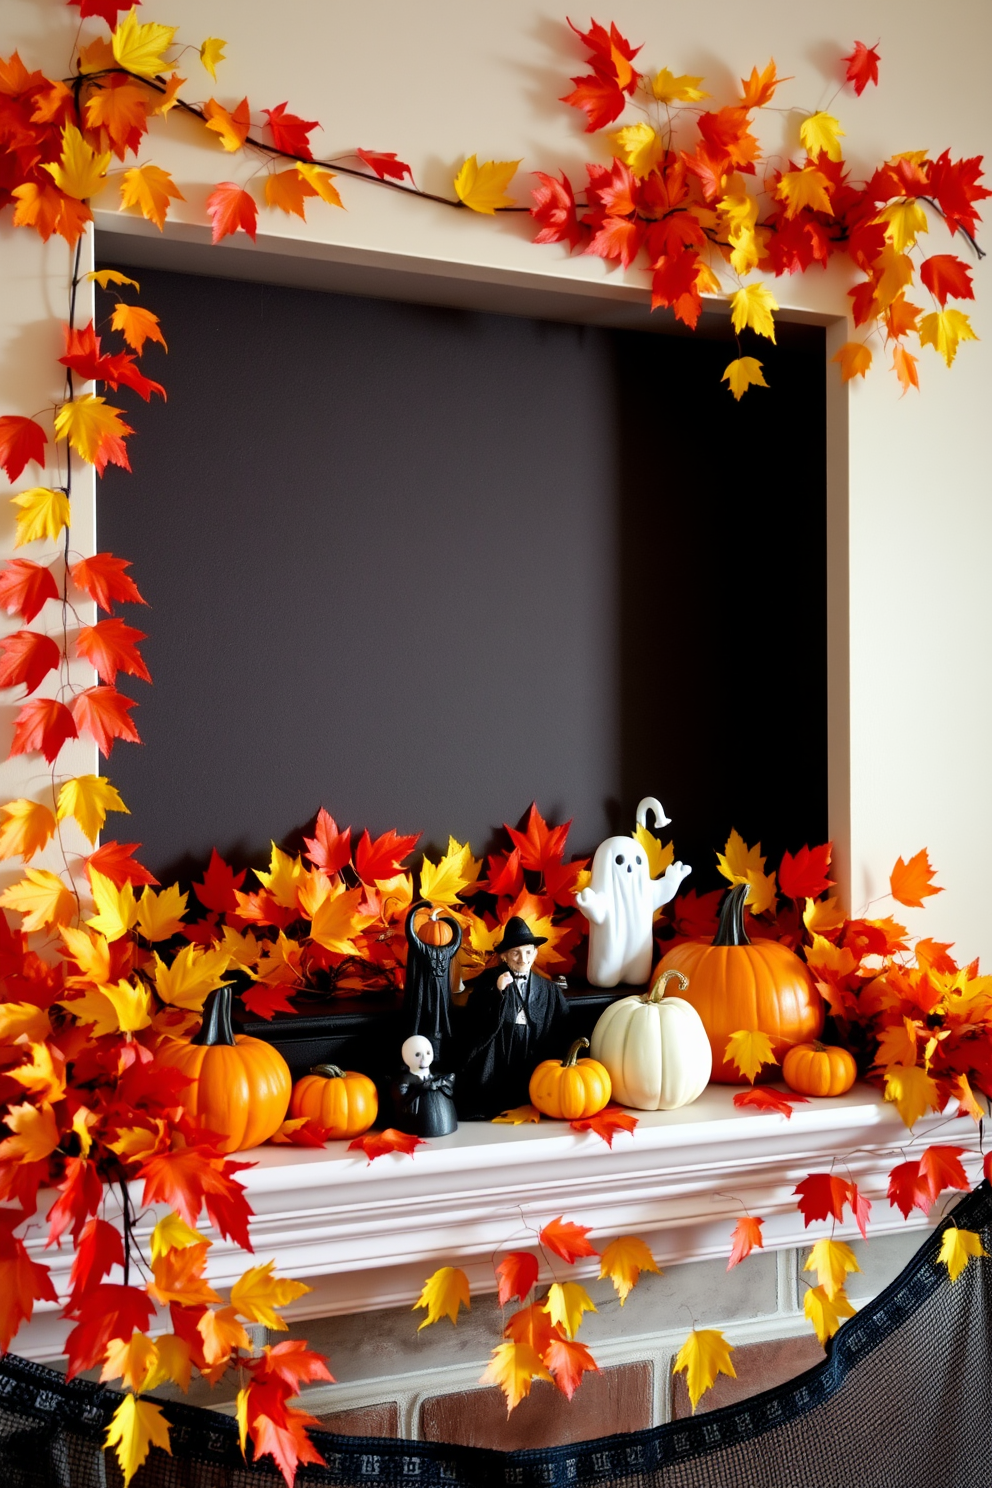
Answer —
443 881
283 879
130 1360
483 187
823 914
103 277
82 1123
803 189
743 373
893 272
338 920
566 1302
242 947
752 306
668 88
222 1333
42 898
137 1142
212 52
395 896
139 48
116 910
623 1260
173 1233
96 56
79 171
912 1091
44 514
135 1427
519 1116
39 1074
86 422
749 1049
35 1133
831 1260
442 1295
823 955
161 915
897 1044
320 180
179 1277
90 951
660 855
149 188
639 146
944 330
27 829
825 1312
821 132
89 1006
173 1363
704 1355
903 220
196 971
88 798
957 1247
258 1293
23 1020
514 1367
131 1003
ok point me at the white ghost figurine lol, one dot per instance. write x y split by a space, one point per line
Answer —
620 905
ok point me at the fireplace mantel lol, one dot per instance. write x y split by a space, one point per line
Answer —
366 1235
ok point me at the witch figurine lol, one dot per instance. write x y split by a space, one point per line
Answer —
515 1018
427 988
423 1103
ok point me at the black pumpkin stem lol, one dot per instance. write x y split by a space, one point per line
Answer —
216 1026
730 931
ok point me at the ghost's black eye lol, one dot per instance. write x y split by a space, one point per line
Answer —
637 861
620 857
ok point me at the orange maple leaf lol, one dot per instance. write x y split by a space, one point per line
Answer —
746 1235
375 1144
912 882
567 1240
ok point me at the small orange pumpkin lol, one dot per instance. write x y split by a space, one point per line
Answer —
435 932
342 1101
240 1087
819 1069
571 1088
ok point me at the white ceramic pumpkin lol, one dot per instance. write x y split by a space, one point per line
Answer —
655 1048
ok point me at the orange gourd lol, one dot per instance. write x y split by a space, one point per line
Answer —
570 1088
819 1069
342 1101
240 1086
735 984
435 932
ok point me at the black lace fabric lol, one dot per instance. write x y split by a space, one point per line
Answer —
903 1400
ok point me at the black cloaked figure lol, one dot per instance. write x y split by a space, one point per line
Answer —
423 1103
427 985
514 1019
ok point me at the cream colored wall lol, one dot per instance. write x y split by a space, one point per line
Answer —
440 80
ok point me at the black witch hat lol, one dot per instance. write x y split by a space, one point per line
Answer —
517 932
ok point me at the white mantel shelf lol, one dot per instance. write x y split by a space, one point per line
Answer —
366 1235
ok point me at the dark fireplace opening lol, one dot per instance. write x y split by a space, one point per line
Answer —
422 566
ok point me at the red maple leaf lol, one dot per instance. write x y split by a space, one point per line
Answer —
103 712
568 1360
516 1274
560 880
506 877
25 586
945 275
954 186
822 1196
376 1144
533 1326
617 237
675 231
382 858
80 1195
219 886
862 67
23 1282
727 134
102 577
291 1363
109 646
99 1249
285 1441
21 440
328 849
385 163
44 725
105 9
289 132
764 1098
231 209
554 208
940 1168
265 1001
539 844
860 1208
606 1123
83 356
696 915
746 1235
567 1240
192 1178
673 283
27 657
907 1191
600 100
105 1312
610 54
708 164
805 875
307 1135
115 861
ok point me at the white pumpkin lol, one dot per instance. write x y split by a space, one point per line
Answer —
655 1048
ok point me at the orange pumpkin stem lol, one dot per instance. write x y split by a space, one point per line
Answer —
216 1026
573 1053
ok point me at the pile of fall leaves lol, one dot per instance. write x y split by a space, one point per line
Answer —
101 962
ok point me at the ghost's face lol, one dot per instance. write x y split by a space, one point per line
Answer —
621 865
417 1054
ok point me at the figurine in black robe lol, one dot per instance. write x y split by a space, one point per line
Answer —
515 1018
423 1102
427 986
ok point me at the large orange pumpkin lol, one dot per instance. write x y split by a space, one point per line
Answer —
240 1086
735 983
571 1088
342 1101
819 1069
